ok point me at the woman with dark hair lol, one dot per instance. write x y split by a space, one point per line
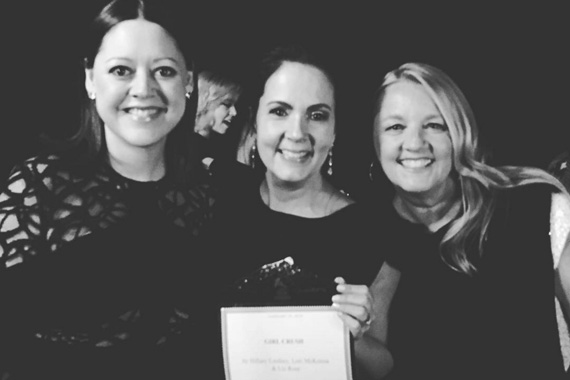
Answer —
96 240
475 298
300 240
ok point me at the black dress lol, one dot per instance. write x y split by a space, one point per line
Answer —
497 324
97 275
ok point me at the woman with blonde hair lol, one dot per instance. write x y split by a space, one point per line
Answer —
475 298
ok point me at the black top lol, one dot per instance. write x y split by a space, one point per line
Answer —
497 324
248 234
97 272
351 242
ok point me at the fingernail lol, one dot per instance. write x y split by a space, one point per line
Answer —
340 288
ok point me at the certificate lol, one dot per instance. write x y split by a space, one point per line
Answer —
285 342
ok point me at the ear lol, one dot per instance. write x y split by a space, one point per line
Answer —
89 87
190 82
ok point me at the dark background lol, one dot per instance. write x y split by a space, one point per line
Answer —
511 62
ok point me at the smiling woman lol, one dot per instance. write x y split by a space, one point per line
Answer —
474 299
95 237
291 217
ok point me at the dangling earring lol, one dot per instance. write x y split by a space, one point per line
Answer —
253 155
330 163
371 171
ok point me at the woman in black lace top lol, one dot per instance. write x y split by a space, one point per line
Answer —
98 243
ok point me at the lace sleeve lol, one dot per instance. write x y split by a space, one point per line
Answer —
20 216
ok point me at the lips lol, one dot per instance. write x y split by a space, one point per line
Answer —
415 163
144 114
295 155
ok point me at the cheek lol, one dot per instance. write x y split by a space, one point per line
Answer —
386 149
221 113
445 152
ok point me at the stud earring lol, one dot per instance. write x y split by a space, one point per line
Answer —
187 95
91 95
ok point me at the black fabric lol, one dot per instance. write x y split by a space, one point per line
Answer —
98 277
350 243
497 324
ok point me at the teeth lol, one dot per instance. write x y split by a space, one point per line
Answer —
416 163
294 156
143 114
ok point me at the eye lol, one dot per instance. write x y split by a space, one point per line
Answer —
278 111
166 72
319 116
120 71
394 127
437 126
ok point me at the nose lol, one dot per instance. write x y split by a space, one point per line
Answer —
233 111
297 129
414 139
144 85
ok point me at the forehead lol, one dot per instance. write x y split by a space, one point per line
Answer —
297 82
407 97
139 38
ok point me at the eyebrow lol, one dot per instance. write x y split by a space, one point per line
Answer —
399 118
174 60
310 108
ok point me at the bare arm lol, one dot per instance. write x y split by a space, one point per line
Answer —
373 359
563 279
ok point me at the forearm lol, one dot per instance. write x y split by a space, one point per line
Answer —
563 279
373 360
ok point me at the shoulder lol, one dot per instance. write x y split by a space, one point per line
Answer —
30 171
531 196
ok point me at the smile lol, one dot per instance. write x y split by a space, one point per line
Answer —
415 163
144 114
295 156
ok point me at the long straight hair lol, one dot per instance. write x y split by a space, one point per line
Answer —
90 135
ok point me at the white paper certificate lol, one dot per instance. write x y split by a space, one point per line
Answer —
299 342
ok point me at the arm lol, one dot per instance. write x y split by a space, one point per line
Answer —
563 279
358 303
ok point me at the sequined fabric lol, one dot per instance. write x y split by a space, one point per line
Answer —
559 229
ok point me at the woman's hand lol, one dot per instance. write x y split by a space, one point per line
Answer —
355 304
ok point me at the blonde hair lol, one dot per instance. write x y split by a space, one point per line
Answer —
213 89
476 179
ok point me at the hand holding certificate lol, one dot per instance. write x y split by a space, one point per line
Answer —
281 333
305 342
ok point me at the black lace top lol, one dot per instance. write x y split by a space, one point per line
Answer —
90 259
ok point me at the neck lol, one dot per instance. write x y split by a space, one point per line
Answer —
312 199
433 211
139 164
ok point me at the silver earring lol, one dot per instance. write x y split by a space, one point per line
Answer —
253 155
371 171
187 95
330 163
91 95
